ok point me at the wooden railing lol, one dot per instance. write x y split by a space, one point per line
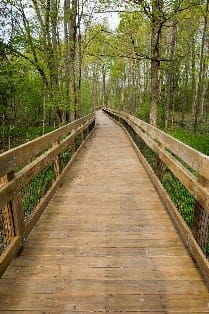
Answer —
181 176
29 176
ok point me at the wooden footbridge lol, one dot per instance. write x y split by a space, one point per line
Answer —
104 217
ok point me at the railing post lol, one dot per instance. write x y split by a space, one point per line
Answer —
82 136
88 129
18 213
73 143
201 217
160 164
57 168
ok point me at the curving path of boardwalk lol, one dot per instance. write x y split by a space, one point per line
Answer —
105 243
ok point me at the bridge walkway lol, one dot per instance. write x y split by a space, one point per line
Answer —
105 243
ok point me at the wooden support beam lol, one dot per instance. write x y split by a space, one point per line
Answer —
57 168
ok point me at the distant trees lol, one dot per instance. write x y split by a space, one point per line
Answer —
154 65
163 51
47 35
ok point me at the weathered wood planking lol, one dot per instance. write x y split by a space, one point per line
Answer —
105 243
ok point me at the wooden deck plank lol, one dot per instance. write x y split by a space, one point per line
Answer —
105 243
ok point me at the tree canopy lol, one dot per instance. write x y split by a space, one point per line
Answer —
62 59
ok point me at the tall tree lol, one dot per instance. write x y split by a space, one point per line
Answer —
198 102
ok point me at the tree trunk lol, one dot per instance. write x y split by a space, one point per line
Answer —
66 58
155 59
80 58
72 29
155 86
200 86
104 102
171 78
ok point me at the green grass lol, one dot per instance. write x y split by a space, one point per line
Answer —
198 141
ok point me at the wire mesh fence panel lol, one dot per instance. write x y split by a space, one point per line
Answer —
91 126
65 158
150 156
7 228
85 133
201 227
139 142
78 141
184 201
36 189
181 197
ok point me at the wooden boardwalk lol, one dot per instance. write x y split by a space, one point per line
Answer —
105 243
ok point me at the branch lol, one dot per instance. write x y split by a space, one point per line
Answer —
139 58
116 11
115 56
146 7
34 63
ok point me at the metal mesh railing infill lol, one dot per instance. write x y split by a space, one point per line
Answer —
7 228
33 192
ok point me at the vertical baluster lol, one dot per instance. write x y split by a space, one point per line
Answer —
159 163
57 166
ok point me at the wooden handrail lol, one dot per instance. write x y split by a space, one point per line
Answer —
32 169
189 155
17 156
167 147
187 165
32 158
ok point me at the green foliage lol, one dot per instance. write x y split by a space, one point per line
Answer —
18 135
183 200
117 69
198 141
36 189
21 92
86 97
144 110
113 99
